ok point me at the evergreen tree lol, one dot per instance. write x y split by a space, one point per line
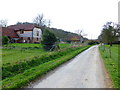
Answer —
5 40
48 40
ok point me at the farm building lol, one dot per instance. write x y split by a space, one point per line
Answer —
23 33
76 39
9 33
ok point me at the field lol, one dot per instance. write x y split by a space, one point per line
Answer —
15 53
23 63
111 63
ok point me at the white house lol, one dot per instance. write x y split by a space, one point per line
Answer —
28 33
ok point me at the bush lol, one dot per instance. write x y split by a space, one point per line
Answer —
93 43
5 40
48 40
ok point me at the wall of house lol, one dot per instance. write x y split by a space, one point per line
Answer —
37 33
33 36
29 40
25 34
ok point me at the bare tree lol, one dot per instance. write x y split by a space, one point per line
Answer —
3 23
81 34
49 23
39 20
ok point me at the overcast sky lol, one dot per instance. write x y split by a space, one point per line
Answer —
69 15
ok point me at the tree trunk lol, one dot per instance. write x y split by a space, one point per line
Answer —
110 43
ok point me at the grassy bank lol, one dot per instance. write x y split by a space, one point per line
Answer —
14 69
111 63
18 52
20 73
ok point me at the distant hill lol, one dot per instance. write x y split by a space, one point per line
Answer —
61 34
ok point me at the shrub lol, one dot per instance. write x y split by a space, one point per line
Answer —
93 43
48 40
5 40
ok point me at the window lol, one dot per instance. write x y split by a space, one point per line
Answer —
21 31
21 38
37 39
28 38
37 33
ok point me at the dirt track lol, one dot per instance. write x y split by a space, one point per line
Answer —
84 71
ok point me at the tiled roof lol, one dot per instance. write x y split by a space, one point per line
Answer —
23 26
74 37
9 32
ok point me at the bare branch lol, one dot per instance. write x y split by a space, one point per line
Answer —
39 20
3 23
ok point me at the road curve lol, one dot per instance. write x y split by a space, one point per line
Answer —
83 71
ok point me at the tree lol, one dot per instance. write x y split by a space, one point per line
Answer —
5 40
3 23
109 34
49 23
48 40
39 20
81 34
118 31
19 23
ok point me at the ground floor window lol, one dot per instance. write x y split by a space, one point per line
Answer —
21 38
28 38
37 39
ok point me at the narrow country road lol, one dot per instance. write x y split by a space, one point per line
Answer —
86 70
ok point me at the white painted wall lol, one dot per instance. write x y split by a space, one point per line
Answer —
35 30
31 33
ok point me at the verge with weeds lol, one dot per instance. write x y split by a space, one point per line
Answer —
21 79
111 63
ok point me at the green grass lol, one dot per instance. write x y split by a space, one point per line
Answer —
22 51
11 70
21 45
24 62
111 63
28 45
28 75
16 60
12 56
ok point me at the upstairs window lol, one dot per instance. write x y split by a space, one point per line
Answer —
37 33
21 31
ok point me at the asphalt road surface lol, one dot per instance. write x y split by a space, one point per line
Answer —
86 70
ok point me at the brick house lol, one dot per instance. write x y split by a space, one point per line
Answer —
25 33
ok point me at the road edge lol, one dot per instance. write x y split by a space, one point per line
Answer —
108 80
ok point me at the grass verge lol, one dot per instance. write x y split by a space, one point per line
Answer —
12 70
111 63
22 79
